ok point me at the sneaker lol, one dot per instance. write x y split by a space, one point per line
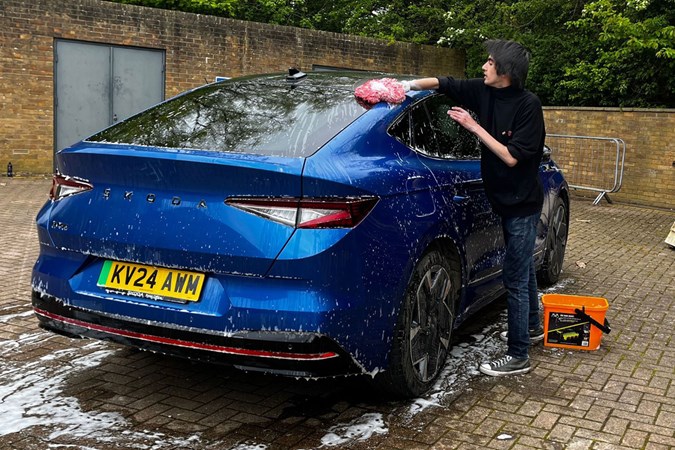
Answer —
507 365
535 335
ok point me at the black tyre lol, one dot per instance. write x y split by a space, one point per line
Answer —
556 242
424 329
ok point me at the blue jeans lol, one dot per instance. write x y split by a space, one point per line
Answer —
521 282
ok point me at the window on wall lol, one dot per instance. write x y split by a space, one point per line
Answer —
321 68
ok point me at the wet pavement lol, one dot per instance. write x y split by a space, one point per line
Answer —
57 392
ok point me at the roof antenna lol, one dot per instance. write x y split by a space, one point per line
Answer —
295 74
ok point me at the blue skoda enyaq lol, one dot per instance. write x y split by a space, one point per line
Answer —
275 224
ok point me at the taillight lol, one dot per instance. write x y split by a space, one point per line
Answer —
63 186
345 213
308 213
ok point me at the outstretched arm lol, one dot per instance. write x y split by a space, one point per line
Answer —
420 84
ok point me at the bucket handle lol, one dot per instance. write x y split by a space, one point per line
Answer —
581 313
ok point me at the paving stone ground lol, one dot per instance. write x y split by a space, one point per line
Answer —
57 392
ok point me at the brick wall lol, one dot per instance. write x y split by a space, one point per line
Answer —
649 134
198 48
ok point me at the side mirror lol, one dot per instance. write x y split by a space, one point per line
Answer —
546 157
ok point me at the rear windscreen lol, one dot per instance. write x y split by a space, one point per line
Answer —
267 118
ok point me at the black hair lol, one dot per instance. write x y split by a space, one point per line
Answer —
511 59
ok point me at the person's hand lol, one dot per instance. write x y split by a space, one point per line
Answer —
462 117
410 85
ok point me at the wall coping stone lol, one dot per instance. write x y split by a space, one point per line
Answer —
612 109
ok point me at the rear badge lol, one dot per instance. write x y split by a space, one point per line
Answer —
150 198
59 225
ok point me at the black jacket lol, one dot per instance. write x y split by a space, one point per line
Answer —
515 118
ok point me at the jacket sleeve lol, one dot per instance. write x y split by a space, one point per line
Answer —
464 92
528 132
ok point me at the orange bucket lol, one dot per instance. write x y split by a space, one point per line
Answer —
573 321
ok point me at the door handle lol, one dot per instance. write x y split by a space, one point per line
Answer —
461 199
464 189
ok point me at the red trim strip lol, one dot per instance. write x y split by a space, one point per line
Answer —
188 344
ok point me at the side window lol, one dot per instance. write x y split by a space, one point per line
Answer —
454 141
428 129
415 130
401 130
422 131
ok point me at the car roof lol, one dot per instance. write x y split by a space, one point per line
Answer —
335 79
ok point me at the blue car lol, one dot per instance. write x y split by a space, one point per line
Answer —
276 224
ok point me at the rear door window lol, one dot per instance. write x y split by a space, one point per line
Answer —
428 129
454 141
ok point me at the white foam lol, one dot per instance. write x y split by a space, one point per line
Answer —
31 394
359 429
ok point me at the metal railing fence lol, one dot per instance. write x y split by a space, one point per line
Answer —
589 162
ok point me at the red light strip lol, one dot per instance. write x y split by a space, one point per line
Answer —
188 344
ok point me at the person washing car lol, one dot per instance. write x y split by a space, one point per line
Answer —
512 134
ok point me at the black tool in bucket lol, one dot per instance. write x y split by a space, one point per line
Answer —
581 314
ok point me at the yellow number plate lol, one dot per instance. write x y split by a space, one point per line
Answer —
152 282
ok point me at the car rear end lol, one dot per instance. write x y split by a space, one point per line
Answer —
162 232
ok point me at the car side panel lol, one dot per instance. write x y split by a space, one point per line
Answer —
366 273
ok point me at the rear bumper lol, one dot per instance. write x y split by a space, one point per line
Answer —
300 354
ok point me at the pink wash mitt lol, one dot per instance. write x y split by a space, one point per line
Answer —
380 90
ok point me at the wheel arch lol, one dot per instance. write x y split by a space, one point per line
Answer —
449 248
565 196
398 379
548 272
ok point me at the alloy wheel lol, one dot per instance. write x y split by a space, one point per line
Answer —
559 240
432 317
